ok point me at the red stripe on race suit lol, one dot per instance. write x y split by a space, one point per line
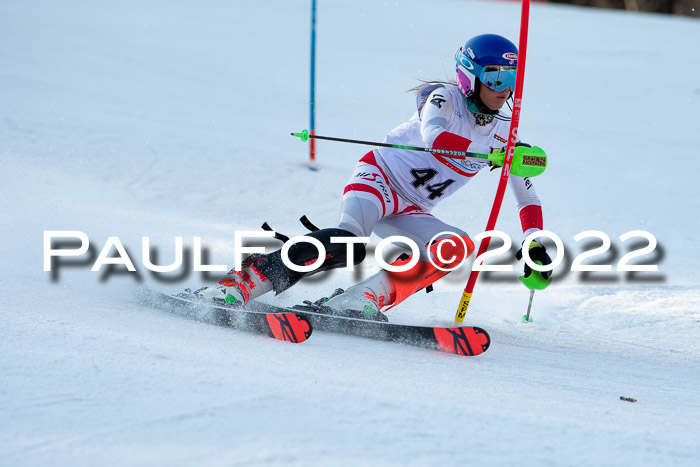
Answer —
531 217
445 161
452 142
366 189
370 159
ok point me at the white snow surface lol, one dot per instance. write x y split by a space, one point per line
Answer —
171 119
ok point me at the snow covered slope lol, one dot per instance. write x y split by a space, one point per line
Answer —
165 119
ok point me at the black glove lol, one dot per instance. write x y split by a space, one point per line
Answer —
537 253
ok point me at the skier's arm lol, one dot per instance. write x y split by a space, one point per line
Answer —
529 205
436 112
531 220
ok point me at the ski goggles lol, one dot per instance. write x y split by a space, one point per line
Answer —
498 77
495 77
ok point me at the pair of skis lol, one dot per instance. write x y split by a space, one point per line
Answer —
297 324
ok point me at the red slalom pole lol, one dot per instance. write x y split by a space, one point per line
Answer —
510 148
312 148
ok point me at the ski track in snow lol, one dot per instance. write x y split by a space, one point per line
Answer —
165 120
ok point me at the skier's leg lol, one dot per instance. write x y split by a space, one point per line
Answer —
442 248
262 273
367 198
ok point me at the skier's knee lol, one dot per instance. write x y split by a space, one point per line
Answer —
449 252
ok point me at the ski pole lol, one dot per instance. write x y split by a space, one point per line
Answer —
526 317
528 163
534 281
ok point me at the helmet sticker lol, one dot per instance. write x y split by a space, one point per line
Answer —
510 56
464 61
470 52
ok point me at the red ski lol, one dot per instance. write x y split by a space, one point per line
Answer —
463 340
285 325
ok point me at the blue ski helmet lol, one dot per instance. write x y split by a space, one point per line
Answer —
490 59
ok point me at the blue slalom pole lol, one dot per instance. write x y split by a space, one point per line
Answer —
312 101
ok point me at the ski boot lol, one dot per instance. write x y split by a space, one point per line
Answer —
240 287
356 302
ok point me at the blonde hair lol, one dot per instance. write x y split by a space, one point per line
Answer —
424 82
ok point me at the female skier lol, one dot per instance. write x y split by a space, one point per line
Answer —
392 191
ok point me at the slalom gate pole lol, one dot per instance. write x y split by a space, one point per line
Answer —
312 94
510 148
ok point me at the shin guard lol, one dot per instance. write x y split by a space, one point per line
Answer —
304 253
446 253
